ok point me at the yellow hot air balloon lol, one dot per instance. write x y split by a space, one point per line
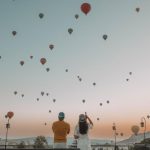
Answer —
135 129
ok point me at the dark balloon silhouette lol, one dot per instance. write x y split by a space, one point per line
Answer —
127 79
42 93
70 30
45 123
0 57
94 84
66 70
83 100
22 95
130 73
85 8
50 111
15 92
80 79
41 15
37 99
47 69
105 37
97 119
76 16
43 61
47 94
148 116
54 100
51 46
107 102
14 33
137 9
121 134
101 104
31 57
21 63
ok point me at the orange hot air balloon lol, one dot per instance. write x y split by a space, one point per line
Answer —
85 8
43 61
10 114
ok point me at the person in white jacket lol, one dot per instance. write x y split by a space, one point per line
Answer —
81 132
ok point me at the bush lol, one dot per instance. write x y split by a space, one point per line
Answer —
40 142
21 145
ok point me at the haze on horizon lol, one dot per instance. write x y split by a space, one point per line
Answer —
83 53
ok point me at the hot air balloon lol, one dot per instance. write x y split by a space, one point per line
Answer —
42 93
51 46
127 79
10 114
137 9
70 30
94 83
117 134
54 100
107 102
15 92
41 15
43 61
130 73
47 69
0 57
66 70
31 57
83 100
37 99
121 134
21 63
105 37
148 116
76 16
85 8
14 33
45 123
97 119
22 95
135 129
47 94
50 111
101 104
80 79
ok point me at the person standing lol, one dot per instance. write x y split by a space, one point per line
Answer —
60 129
81 132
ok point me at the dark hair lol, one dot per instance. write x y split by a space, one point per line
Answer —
83 127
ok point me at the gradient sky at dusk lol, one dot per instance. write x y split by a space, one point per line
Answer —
84 53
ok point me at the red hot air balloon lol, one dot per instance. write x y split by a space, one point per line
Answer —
85 8
10 114
43 61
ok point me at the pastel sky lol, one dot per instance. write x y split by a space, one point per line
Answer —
84 53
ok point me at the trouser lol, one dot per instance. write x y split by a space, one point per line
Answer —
60 145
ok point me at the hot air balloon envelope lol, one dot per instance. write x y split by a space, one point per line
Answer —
43 61
10 114
85 8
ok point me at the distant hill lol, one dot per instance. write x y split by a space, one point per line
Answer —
30 141
134 139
